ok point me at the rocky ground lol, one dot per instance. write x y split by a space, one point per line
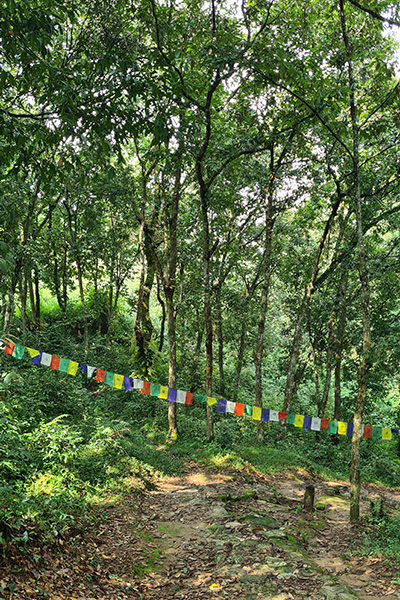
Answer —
214 536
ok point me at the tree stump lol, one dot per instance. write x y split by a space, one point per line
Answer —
308 500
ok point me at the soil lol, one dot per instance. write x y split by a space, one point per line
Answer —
205 535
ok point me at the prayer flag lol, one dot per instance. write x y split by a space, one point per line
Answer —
36 359
33 352
230 407
118 381
9 348
386 433
109 378
18 351
127 383
307 423
163 392
368 431
137 384
265 413
257 413
394 430
45 360
172 393
211 401
248 409
155 389
239 409
333 427
72 367
221 405
200 397
315 424
181 397
64 364
100 375
189 398
274 415
84 368
90 371
324 423
376 433
299 420
146 388
282 416
55 362
290 419
350 429
342 428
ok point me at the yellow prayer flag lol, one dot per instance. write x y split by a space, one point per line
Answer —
72 367
299 421
342 428
118 381
257 413
163 392
386 433
211 401
33 352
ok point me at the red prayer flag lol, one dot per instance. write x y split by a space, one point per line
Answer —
324 423
239 408
368 431
9 348
146 388
100 375
189 398
55 363
282 416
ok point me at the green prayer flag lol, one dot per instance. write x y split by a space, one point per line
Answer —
64 364
290 418
200 397
377 433
249 410
154 389
18 351
109 378
332 427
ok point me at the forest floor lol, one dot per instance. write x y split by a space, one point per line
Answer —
215 535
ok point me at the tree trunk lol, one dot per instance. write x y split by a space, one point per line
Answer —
301 316
83 305
163 317
339 335
355 469
31 295
239 366
23 292
259 353
220 338
37 295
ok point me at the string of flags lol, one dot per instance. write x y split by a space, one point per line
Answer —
123 382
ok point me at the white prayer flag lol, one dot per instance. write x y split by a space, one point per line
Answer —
315 424
274 415
180 396
230 406
46 359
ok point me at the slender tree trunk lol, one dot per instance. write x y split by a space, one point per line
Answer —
301 315
23 292
239 366
31 295
163 316
316 377
355 468
269 225
339 335
220 338
37 295
83 304
171 322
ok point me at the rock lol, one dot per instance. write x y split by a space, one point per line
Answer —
320 506
233 525
262 520
248 494
275 534
218 512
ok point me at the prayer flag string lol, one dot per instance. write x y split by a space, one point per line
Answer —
123 382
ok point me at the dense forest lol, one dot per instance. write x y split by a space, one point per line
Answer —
204 196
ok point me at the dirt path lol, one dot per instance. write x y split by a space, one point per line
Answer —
210 536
